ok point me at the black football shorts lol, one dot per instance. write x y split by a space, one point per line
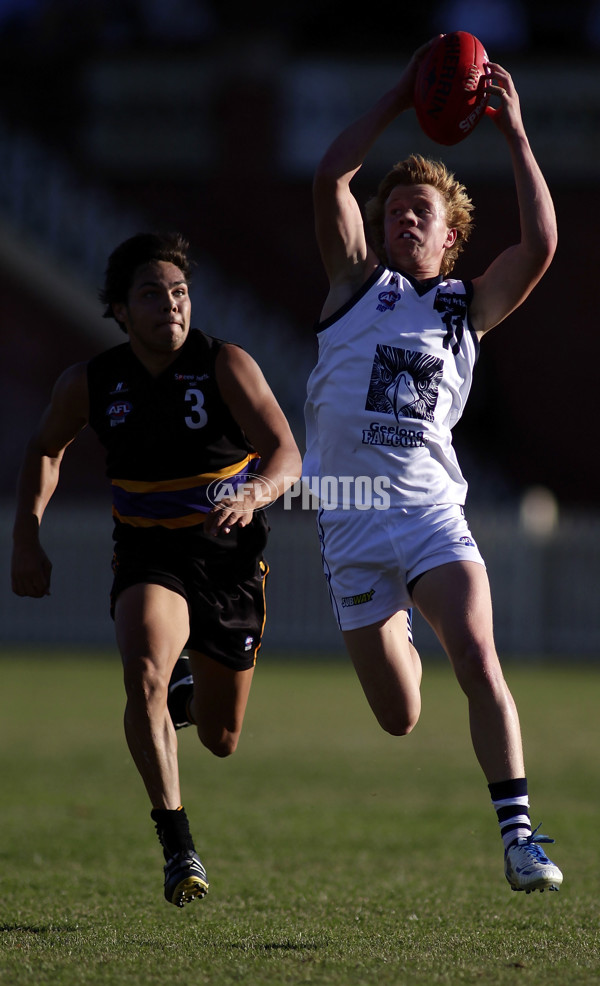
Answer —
222 581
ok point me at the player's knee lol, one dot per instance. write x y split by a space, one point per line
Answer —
222 744
478 671
400 722
143 681
399 727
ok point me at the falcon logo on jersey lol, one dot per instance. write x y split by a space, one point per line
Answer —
453 308
404 383
118 411
387 301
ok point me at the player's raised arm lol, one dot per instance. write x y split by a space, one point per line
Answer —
347 259
61 422
515 272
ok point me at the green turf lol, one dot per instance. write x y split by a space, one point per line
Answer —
336 854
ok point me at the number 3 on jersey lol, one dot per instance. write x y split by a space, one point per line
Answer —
197 417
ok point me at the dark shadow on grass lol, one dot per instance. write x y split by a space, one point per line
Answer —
277 946
37 929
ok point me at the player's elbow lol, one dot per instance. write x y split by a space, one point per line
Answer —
331 179
536 259
294 467
547 249
542 249
327 171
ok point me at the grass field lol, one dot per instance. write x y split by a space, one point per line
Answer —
336 854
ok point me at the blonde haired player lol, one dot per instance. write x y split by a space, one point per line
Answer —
398 340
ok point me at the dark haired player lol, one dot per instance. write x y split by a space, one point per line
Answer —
176 411
398 340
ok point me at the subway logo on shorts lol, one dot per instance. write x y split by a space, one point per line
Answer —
359 599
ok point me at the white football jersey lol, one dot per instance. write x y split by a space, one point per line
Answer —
393 374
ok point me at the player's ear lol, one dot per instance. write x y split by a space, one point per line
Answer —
119 311
451 238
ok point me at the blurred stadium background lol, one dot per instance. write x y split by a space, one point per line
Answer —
124 115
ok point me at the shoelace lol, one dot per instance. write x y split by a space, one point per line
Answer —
532 846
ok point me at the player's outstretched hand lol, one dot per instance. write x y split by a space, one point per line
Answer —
31 571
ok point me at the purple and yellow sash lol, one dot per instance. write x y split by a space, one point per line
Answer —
175 502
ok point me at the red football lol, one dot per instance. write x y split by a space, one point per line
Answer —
450 98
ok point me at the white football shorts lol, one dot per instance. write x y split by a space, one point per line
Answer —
371 556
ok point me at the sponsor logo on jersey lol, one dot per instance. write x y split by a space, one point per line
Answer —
190 377
118 411
387 301
120 388
358 599
447 301
453 309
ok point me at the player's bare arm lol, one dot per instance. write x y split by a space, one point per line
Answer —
60 424
514 273
346 256
255 408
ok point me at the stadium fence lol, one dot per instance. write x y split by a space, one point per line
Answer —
544 586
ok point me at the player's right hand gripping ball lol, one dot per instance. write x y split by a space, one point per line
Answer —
450 98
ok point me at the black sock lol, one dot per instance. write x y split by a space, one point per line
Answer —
173 830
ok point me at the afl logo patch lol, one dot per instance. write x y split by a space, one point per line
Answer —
118 411
387 301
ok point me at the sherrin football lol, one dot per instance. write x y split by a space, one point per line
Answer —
450 99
